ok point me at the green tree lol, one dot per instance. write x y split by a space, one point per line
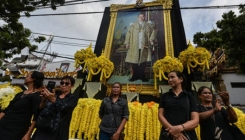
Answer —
230 35
13 35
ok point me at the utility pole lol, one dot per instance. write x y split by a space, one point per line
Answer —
50 40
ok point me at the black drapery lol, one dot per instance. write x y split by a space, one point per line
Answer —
104 26
178 32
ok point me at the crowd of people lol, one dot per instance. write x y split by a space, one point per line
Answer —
178 112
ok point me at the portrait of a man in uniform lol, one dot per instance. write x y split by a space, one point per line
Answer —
138 41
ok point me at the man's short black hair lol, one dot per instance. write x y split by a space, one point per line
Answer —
71 79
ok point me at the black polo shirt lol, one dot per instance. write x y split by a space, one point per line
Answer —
175 108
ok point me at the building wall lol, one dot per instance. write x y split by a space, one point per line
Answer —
54 65
237 94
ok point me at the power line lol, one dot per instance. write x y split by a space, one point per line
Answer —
53 55
71 44
74 3
65 37
66 43
160 9
75 24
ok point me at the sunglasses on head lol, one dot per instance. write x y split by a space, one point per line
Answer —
66 83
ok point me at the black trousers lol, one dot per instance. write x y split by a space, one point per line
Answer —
139 71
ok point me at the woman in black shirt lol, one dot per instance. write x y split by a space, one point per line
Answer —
213 115
113 113
16 118
177 111
65 102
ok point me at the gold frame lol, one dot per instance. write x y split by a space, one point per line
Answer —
166 4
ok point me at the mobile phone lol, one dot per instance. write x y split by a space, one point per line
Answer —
51 85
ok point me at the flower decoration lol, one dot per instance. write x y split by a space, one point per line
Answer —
142 124
7 93
100 64
167 64
94 64
193 57
82 56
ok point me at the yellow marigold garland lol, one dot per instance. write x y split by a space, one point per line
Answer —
149 124
88 123
7 93
192 57
142 124
143 121
167 64
100 64
82 56
241 119
93 126
156 122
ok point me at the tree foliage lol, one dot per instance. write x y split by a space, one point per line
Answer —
230 36
13 35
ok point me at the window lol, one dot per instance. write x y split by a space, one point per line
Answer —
238 84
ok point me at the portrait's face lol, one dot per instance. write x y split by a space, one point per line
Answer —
141 17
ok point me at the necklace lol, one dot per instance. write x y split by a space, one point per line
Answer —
24 95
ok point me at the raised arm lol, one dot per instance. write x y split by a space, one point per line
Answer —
207 114
232 117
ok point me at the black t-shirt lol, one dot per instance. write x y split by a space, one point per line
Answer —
17 118
207 127
175 108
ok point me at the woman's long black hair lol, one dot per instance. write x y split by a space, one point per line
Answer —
38 79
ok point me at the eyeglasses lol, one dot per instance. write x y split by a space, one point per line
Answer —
66 83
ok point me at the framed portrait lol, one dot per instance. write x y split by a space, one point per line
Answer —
64 67
137 40
153 31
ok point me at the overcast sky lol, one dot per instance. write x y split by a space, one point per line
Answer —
87 26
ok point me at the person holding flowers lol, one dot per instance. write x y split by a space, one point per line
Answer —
16 118
178 112
114 114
